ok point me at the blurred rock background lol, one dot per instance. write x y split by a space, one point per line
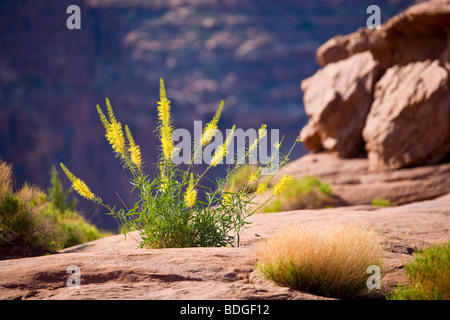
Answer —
252 54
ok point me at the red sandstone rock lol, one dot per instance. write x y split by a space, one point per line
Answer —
337 100
419 33
353 183
409 120
112 268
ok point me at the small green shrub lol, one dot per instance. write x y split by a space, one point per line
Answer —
428 275
14 221
239 179
77 230
58 197
169 213
6 178
302 193
28 218
382 202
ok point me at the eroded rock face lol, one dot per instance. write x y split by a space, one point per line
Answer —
409 119
337 99
343 47
417 34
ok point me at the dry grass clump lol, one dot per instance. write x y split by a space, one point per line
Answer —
6 178
329 261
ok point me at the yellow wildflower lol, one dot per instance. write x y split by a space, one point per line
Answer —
282 185
255 175
277 145
105 121
135 151
79 186
218 155
228 197
261 133
262 187
165 129
191 194
211 127
112 117
114 135
221 151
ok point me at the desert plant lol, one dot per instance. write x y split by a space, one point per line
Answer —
169 213
58 197
240 178
330 261
381 202
428 276
5 179
27 218
308 192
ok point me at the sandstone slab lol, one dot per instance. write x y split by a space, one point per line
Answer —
112 268
353 183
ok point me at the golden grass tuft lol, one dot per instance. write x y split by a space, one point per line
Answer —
6 178
324 260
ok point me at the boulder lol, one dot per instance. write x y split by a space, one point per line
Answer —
391 84
337 99
419 33
342 47
409 120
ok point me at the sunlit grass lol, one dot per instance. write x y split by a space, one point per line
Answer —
381 202
330 261
428 276
308 192
29 217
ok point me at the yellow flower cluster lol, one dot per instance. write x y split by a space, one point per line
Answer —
114 133
135 151
228 197
165 129
282 185
262 187
255 175
221 151
191 194
261 134
79 186
211 127
115 136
